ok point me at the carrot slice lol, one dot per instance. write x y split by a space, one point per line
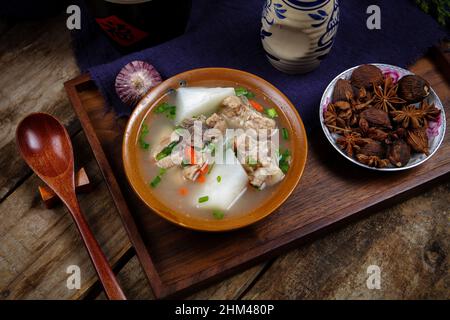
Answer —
201 178
204 170
183 191
256 105
190 154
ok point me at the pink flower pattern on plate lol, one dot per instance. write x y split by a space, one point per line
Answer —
394 74
433 127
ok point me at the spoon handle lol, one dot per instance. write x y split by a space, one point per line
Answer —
104 271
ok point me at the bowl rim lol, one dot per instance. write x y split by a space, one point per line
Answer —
393 169
144 106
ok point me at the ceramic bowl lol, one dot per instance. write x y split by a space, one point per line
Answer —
436 130
205 77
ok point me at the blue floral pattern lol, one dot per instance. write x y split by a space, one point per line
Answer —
279 11
306 5
322 15
326 40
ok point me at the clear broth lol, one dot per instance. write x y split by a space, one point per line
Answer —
167 191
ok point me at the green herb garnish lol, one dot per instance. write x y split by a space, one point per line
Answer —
155 181
284 161
212 148
218 214
241 91
203 199
272 113
285 134
144 132
168 109
166 151
219 178
210 167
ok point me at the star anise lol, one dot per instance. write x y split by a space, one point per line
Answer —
409 116
429 111
332 119
372 161
418 140
385 98
350 142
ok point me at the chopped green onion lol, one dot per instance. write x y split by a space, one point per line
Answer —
155 181
203 199
211 167
166 151
218 214
219 178
144 131
241 91
212 148
284 161
272 113
169 110
285 134
144 145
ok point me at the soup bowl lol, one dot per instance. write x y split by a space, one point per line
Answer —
216 77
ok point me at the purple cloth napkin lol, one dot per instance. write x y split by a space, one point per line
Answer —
225 33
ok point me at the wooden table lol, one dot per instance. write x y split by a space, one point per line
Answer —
409 241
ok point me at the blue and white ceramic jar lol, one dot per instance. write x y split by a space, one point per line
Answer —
298 34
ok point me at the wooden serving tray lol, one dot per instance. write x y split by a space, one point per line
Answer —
176 260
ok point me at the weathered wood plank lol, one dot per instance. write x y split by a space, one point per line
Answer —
39 244
409 242
136 287
35 58
231 288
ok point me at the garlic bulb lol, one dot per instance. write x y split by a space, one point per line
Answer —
135 80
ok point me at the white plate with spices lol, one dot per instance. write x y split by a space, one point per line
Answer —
382 117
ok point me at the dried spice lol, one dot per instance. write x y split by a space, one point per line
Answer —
429 111
413 88
409 116
366 76
376 117
343 91
386 98
374 123
377 134
418 140
372 161
332 120
350 142
372 148
399 153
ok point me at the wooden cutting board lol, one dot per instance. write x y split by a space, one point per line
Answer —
332 190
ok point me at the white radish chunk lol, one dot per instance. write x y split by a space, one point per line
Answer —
194 101
223 192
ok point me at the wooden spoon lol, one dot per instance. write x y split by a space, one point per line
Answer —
45 145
